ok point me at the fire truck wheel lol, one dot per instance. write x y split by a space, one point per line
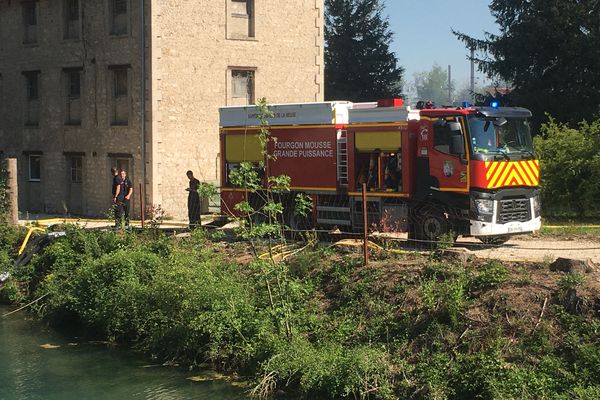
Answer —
431 225
496 240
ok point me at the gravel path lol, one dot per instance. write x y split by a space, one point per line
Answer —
536 248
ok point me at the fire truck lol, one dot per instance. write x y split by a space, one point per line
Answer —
428 171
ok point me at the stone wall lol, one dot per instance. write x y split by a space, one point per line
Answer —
95 140
191 49
193 56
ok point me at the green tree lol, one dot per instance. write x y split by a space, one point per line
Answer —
433 85
359 65
570 168
548 51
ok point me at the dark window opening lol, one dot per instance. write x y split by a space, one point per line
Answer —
71 14
29 22
73 97
35 168
119 15
120 98
76 168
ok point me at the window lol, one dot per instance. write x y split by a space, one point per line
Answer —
441 137
32 85
76 169
122 162
35 167
32 102
242 87
71 19
240 23
118 17
120 82
240 8
29 10
73 96
120 98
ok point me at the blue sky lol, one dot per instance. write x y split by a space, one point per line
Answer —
422 34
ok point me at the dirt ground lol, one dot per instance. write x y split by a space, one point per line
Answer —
536 248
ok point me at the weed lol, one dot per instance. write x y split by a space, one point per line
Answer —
571 281
491 275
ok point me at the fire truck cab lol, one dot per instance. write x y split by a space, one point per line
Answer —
428 171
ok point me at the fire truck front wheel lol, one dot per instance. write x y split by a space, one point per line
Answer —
431 225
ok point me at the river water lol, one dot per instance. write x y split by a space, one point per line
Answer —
38 363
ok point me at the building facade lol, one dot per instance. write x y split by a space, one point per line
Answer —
136 84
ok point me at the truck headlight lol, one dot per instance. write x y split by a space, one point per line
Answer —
484 206
482 209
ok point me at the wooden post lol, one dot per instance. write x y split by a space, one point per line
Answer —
142 206
365 227
13 191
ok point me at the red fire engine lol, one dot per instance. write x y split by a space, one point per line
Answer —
429 171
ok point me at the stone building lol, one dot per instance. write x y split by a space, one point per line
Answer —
136 84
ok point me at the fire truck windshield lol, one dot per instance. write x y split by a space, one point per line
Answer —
499 135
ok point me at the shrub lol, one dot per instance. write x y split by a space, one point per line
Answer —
570 160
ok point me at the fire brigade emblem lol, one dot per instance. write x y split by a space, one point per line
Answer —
424 134
448 169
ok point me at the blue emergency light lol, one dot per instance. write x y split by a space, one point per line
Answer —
494 104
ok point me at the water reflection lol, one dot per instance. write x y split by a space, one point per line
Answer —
86 371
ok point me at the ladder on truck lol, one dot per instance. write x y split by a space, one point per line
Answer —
342 158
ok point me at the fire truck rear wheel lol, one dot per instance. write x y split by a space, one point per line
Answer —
432 225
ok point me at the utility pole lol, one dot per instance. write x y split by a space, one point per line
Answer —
472 72
449 85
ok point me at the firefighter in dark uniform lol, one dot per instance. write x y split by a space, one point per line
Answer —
193 202
116 181
122 199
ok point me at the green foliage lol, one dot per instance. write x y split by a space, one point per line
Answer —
359 65
571 281
207 190
433 85
546 51
321 325
330 370
303 204
445 295
491 275
570 161
10 239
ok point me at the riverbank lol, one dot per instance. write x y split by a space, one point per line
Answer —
322 325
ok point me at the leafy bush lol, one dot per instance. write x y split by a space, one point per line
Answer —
330 370
570 161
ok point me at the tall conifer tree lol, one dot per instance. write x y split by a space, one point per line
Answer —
359 65
548 51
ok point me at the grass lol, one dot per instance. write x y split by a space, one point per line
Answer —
562 226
